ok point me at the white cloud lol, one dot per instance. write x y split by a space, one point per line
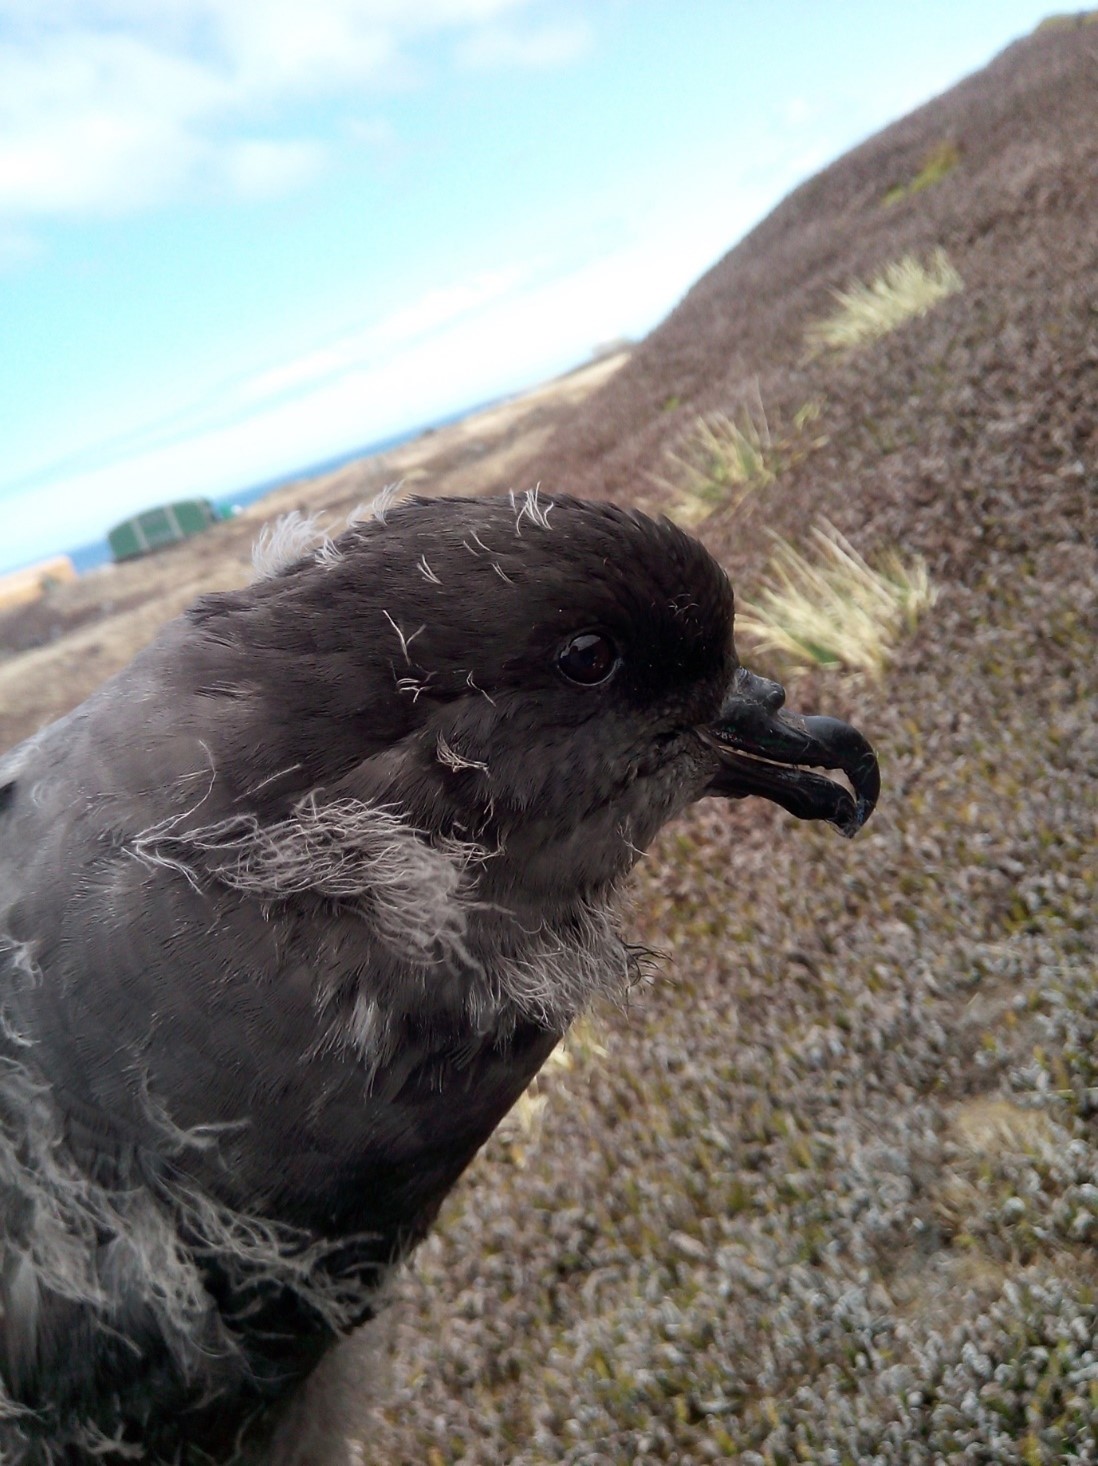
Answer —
256 168
282 47
96 121
471 341
16 248
109 105
497 48
797 111
272 391
375 346
474 338
374 132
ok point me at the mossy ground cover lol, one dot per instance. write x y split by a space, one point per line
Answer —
781 1215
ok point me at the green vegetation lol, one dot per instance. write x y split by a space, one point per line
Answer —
902 290
837 610
808 413
934 167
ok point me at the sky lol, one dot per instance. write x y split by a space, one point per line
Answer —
242 237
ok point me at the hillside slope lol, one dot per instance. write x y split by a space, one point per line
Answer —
831 1193
1016 217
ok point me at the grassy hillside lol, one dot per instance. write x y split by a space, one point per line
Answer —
829 1190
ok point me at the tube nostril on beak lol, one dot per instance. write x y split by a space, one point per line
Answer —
770 695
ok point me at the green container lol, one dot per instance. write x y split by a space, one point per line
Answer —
155 528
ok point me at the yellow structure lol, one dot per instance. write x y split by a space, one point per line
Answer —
22 586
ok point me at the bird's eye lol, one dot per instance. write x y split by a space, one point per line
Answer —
588 659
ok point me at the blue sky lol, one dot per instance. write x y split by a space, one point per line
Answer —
238 237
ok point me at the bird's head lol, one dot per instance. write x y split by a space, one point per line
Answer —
553 678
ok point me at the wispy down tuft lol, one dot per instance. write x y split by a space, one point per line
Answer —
379 506
361 856
531 508
291 538
296 536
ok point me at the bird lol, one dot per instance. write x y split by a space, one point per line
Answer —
293 909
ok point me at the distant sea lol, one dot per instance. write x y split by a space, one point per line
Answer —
98 552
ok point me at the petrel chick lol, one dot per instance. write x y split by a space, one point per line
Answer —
294 908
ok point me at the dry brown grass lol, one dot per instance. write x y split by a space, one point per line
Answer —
901 291
835 609
723 458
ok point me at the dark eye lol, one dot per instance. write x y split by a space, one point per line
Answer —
588 659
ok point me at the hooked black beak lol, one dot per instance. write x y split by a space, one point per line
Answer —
765 750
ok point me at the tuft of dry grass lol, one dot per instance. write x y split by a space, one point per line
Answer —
903 290
521 1126
836 610
723 459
